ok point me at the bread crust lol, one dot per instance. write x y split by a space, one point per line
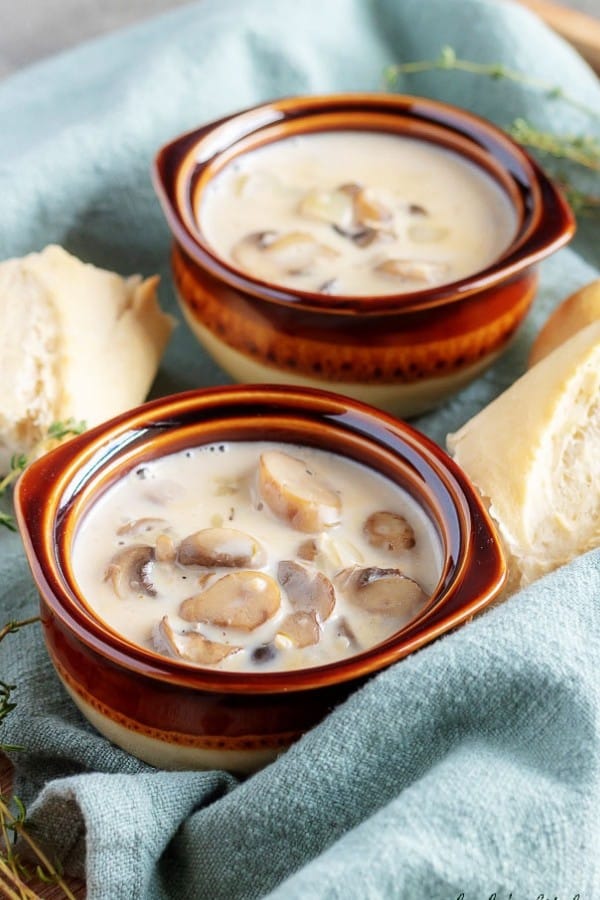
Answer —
578 310
78 341
525 448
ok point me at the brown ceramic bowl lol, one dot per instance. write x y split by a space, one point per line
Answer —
403 352
178 715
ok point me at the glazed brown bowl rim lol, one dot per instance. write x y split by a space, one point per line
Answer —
547 225
44 500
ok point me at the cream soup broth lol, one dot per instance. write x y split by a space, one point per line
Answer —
248 556
360 213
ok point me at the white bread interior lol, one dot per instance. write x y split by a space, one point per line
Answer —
534 455
77 341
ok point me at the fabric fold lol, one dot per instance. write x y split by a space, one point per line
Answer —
469 768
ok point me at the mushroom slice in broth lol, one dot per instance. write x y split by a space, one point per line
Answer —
335 207
385 591
130 571
296 494
301 628
241 600
370 210
145 525
270 255
165 550
308 550
190 645
389 531
307 589
422 270
213 547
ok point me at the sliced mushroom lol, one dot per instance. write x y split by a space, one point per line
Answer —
241 600
361 236
345 633
334 207
370 210
297 251
293 253
306 590
214 547
413 269
142 526
308 550
296 494
385 591
351 188
336 553
389 531
165 550
190 645
301 628
130 570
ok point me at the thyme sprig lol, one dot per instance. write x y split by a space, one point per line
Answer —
56 432
449 61
7 704
15 875
580 149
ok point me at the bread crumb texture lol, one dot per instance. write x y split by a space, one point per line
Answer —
77 341
534 455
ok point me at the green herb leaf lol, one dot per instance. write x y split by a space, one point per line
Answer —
8 521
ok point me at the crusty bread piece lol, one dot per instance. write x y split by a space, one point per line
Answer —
77 341
534 455
580 309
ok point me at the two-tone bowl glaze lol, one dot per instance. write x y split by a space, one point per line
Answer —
168 711
405 351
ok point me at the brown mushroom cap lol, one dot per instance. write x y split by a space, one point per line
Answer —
385 591
191 645
389 531
301 628
213 547
130 571
306 589
241 600
296 494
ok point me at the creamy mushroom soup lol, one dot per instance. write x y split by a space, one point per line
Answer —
361 213
251 556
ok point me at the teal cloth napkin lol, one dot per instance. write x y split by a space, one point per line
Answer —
471 768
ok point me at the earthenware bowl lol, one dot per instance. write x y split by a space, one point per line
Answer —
403 352
175 714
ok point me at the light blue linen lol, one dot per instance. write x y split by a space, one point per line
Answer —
471 767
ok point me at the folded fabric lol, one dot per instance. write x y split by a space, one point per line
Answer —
469 769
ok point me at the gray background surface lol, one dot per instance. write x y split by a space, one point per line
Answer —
32 29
